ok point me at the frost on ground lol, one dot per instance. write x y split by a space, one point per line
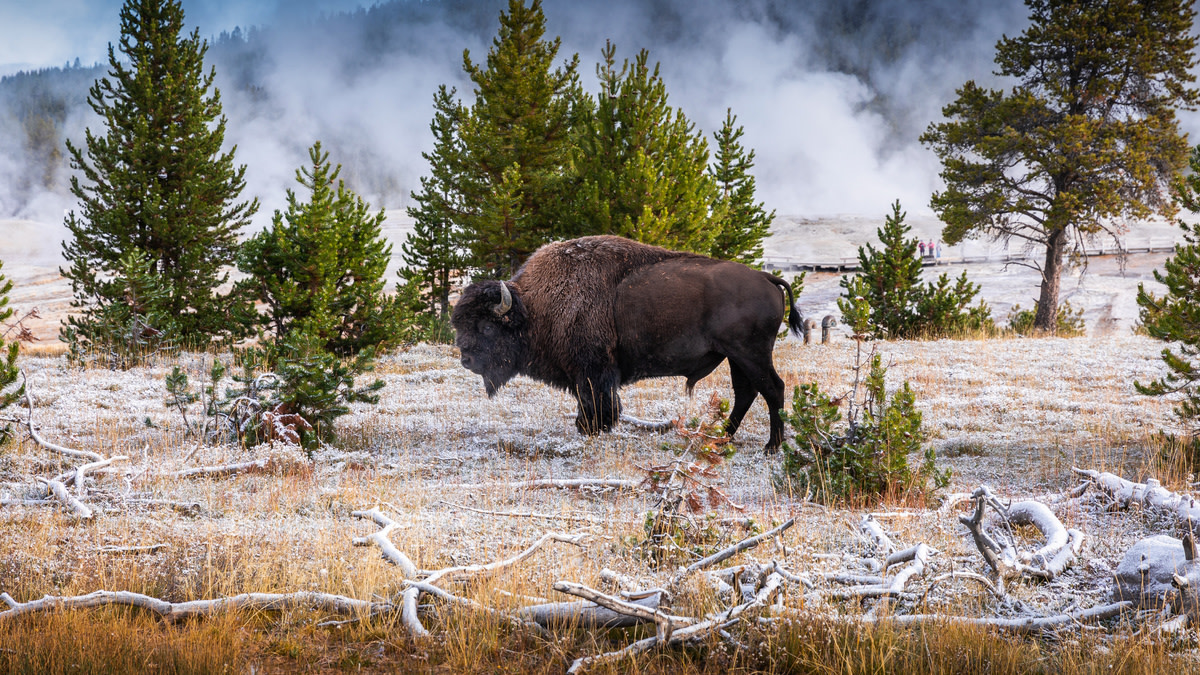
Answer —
439 458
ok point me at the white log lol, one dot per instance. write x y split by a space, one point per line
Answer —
224 470
665 623
383 541
152 548
657 425
1151 494
581 517
555 484
408 612
79 475
491 568
1020 625
82 454
728 552
700 630
870 527
81 510
442 594
179 611
585 614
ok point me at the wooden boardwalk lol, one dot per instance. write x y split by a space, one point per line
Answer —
786 264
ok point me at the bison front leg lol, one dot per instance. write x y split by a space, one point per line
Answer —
599 404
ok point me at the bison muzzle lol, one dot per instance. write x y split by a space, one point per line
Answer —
589 315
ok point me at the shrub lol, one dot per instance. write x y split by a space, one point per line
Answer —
1070 320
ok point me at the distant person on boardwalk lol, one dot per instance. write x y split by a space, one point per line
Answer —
939 251
922 245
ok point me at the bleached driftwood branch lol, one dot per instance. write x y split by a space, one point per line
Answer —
1020 625
491 568
1059 550
56 487
79 474
383 541
557 484
871 528
587 614
80 454
665 623
446 596
765 595
580 517
649 425
223 470
178 611
1150 494
152 548
727 553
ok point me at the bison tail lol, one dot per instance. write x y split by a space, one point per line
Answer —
795 319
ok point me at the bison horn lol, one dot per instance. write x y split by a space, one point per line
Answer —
501 308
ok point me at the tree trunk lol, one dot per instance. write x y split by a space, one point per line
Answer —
1046 318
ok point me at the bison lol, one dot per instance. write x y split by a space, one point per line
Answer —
589 315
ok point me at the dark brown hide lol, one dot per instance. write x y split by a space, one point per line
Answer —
594 313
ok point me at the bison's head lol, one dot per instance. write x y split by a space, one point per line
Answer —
490 330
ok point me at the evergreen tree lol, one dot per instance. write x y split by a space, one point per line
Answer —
642 167
1086 141
432 253
122 331
319 268
744 223
158 182
898 304
889 278
516 144
1175 317
8 358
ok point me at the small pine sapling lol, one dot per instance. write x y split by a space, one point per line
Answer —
867 459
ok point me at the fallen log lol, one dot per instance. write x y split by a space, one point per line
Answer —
179 611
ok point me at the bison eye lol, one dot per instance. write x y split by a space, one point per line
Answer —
488 329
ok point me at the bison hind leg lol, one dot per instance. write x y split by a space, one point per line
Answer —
749 380
599 404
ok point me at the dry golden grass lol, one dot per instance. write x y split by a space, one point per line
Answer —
1016 414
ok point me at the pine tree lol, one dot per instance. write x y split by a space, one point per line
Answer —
516 142
891 277
1086 141
1175 317
123 331
898 304
433 253
8 358
743 223
642 167
319 268
158 182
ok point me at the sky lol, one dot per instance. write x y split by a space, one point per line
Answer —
834 124
47 33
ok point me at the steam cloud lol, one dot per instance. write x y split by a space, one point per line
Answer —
832 94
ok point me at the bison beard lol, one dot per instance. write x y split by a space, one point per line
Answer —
591 314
